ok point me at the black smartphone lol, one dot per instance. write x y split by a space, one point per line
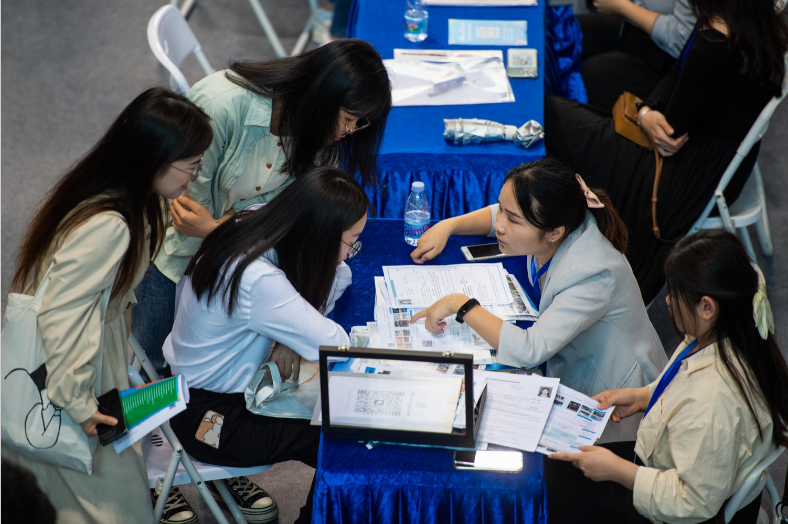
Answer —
109 404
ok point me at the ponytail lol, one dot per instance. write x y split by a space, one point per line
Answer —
609 222
550 196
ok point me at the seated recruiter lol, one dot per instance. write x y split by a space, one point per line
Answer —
717 410
593 328
630 45
270 275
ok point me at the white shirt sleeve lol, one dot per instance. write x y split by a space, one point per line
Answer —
280 313
342 280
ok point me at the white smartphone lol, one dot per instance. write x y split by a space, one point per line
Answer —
482 252
505 461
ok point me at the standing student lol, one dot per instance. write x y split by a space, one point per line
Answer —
272 122
593 328
97 230
270 275
696 117
715 412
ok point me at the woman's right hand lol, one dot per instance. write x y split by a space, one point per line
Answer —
628 401
654 124
432 242
89 426
287 360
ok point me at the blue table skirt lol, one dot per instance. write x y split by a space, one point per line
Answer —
404 484
458 178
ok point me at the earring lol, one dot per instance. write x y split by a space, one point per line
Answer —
552 241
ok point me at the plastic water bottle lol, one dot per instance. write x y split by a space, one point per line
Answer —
417 214
416 17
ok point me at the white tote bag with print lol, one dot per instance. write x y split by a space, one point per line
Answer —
31 424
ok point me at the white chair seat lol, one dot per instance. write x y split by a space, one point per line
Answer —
158 453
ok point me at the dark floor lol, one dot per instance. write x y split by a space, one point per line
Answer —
68 68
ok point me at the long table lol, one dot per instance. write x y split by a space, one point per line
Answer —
402 484
458 178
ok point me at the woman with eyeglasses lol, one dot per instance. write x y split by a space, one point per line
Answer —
263 283
97 231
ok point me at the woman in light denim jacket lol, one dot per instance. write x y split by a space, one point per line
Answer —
593 330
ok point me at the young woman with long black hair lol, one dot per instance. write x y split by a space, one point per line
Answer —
593 328
716 411
269 275
97 230
272 121
696 117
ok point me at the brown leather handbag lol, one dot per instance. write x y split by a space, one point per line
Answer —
625 118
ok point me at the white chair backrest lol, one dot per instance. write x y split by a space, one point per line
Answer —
756 132
753 485
171 40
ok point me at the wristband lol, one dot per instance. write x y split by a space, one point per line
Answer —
464 309
641 113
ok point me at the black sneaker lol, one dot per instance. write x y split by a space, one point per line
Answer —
256 505
176 509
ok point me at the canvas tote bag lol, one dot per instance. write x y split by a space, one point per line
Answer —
31 424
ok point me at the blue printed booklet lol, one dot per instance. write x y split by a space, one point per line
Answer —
488 32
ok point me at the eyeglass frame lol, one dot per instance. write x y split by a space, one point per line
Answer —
355 129
194 174
355 247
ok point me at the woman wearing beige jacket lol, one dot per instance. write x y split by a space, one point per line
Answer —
97 230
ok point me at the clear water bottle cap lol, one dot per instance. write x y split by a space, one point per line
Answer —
417 187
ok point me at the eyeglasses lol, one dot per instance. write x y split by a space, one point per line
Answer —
357 128
194 174
354 248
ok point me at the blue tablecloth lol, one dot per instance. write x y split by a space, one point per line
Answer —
403 484
458 178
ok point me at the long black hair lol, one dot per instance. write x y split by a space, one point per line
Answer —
550 196
156 129
313 86
713 263
303 224
757 31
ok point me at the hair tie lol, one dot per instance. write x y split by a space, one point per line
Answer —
592 200
761 309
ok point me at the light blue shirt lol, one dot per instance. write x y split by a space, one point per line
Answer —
674 25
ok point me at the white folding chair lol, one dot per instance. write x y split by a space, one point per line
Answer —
752 487
171 40
750 207
268 28
168 465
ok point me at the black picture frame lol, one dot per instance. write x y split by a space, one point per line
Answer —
473 413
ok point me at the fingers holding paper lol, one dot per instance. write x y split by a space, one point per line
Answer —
628 401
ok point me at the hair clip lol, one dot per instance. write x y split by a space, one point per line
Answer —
592 200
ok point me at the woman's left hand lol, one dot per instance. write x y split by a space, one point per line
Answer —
595 462
191 218
433 316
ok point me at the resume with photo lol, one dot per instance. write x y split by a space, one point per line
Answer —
574 421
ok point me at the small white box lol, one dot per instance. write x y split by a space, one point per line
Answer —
522 63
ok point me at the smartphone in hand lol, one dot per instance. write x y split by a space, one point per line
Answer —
109 404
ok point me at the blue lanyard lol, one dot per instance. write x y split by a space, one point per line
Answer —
535 279
669 375
686 49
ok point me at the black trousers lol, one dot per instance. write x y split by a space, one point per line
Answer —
618 57
247 440
572 497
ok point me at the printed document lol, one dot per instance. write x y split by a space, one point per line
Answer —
516 409
396 332
394 402
422 286
574 421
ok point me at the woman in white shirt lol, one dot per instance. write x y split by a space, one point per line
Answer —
593 328
717 410
268 276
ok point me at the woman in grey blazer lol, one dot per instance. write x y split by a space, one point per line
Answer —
593 331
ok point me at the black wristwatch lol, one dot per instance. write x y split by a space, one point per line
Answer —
464 309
